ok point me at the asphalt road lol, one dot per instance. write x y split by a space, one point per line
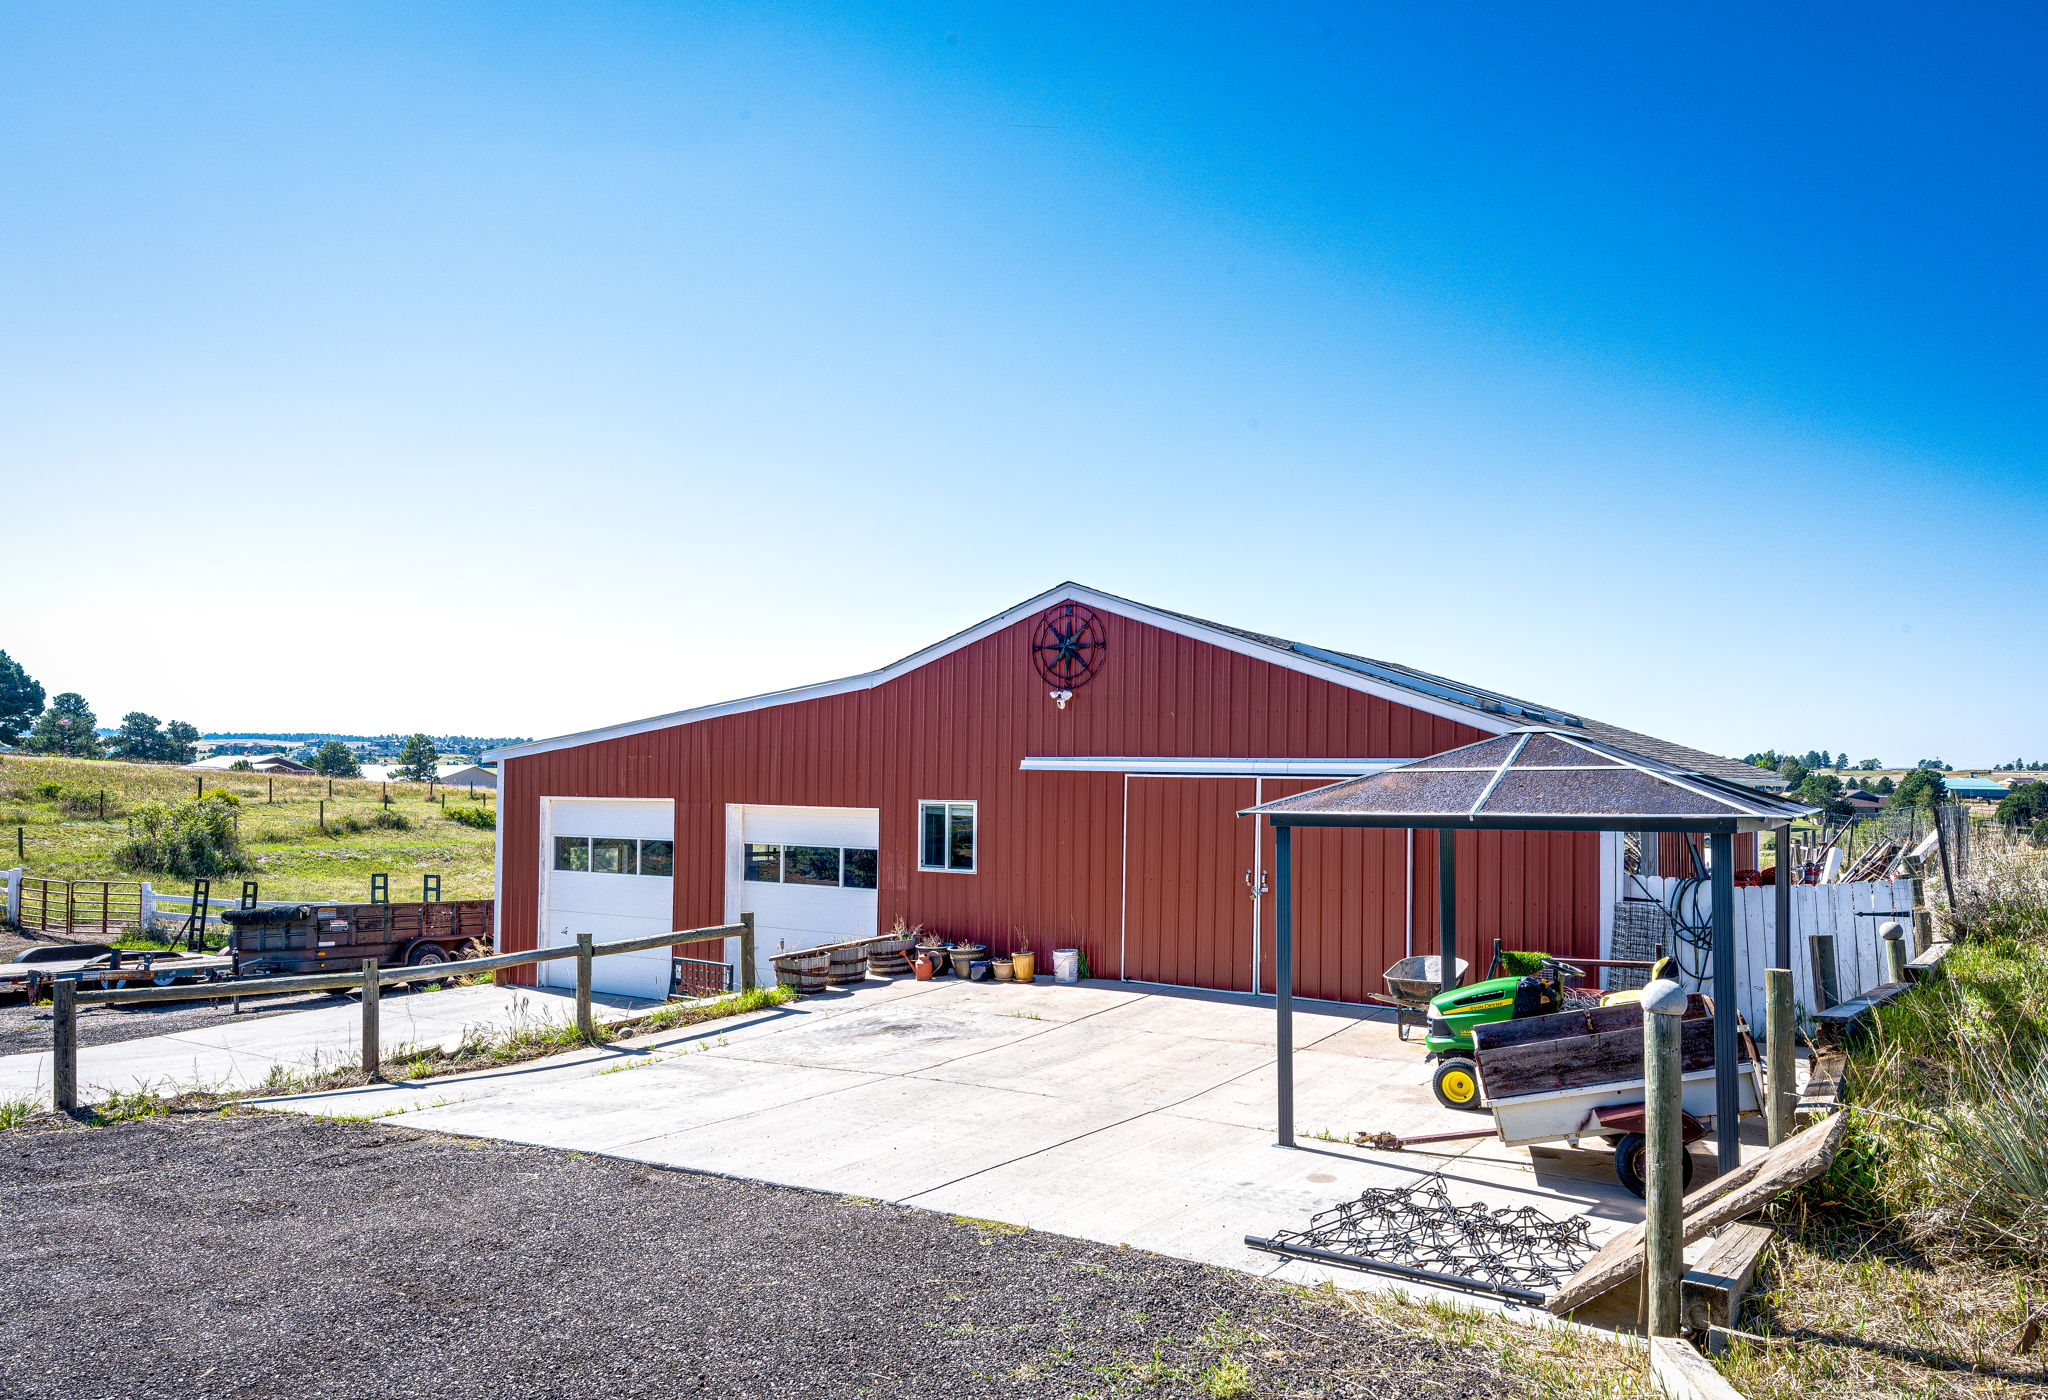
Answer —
257 1255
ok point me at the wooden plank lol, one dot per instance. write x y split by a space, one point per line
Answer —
1711 1293
1681 1373
1576 1062
1926 962
1585 1022
1824 1084
1728 1197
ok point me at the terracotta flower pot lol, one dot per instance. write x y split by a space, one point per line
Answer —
1002 969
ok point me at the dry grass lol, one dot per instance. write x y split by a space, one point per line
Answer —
1554 1361
1865 1314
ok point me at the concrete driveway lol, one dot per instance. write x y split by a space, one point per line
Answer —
1107 1111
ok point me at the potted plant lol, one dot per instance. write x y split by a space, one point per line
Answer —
1023 965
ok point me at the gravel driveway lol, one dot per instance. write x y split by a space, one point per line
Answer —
300 1257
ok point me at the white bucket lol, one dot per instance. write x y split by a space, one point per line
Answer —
1066 964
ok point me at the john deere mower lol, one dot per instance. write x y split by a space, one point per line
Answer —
1536 988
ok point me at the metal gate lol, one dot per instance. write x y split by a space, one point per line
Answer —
105 909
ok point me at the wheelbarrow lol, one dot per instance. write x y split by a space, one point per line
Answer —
1411 982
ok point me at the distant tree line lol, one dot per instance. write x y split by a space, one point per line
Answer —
67 728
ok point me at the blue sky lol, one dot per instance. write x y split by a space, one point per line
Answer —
617 357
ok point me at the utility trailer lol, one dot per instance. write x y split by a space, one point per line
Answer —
282 939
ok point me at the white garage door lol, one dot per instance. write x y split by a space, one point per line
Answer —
609 871
807 874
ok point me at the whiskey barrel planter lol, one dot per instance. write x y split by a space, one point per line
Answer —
889 957
805 972
848 966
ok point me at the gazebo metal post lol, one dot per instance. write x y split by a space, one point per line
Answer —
1283 975
1447 908
1727 1126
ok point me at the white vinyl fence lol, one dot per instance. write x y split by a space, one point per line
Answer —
1834 935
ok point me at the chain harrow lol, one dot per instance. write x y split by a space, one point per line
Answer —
1419 1226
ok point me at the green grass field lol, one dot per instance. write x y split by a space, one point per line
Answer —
56 804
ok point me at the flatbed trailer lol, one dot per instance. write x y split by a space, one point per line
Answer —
113 967
274 940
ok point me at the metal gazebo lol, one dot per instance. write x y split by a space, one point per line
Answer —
1534 779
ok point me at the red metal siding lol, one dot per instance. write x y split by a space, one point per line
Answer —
1053 846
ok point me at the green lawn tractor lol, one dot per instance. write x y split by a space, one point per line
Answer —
1531 984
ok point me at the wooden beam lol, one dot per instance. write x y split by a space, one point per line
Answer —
1681 1373
1728 1197
1711 1293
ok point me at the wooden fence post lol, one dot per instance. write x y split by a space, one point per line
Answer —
1663 1156
373 1043
1894 935
747 951
64 1044
585 1026
1923 917
1779 1050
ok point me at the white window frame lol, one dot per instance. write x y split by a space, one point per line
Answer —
974 809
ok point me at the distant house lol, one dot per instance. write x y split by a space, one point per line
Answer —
1864 803
1976 789
459 775
273 763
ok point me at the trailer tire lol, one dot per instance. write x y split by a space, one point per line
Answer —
1631 1153
428 955
1456 1085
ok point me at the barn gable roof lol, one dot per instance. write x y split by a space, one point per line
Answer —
1403 685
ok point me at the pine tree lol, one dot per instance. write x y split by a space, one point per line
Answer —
335 759
140 739
67 728
181 742
417 760
21 700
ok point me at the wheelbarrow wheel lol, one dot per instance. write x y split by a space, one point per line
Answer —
1632 1159
1456 1085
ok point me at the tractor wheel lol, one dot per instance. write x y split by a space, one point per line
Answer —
1632 1159
1456 1085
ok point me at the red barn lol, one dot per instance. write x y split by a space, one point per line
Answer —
1065 774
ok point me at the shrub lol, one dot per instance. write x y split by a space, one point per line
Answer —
390 820
482 818
194 838
1957 1086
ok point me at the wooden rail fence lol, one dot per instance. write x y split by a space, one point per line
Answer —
67 996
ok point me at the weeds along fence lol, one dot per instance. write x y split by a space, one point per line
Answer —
67 996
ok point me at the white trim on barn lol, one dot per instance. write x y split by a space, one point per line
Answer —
1066 592
1217 767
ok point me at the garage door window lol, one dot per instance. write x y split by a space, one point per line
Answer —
840 867
615 855
948 836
